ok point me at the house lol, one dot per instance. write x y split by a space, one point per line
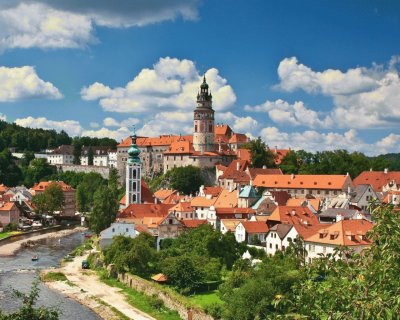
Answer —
202 206
192 224
101 156
19 194
362 195
231 213
279 154
333 215
391 197
279 237
170 227
234 175
264 206
319 186
251 232
64 154
9 213
247 197
229 225
116 229
349 233
183 211
69 203
145 213
162 194
381 181
312 204
293 215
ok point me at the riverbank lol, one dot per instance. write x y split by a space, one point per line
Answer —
85 287
11 248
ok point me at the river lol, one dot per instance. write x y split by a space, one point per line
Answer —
18 272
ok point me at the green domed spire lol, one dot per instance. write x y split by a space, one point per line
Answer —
133 151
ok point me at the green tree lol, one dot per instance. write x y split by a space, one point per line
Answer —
77 150
184 272
290 163
50 200
261 155
37 170
86 189
105 207
28 310
10 173
184 179
90 156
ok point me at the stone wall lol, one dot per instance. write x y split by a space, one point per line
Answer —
170 302
103 171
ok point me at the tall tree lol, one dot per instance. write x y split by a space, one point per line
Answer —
50 200
37 170
90 156
261 155
77 150
104 210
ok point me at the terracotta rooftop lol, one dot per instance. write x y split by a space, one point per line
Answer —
281 197
343 233
297 202
287 181
232 171
202 202
231 224
238 138
213 191
279 154
294 215
227 199
182 206
253 172
163 140
377 179
162 194
222 129
6 206
193 223
244 154
43 185
145 210
230 211
180 147
255 226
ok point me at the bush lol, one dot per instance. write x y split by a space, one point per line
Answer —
156 302
54 276
11 227
214 310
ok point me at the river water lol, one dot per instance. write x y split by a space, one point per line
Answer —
18 272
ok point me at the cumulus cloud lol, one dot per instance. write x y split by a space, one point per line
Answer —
171 122
313 141
111 122
72 127
295 114
117 134
71 24
170 84
362 97
239 124
24 83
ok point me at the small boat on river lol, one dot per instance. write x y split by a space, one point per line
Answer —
35 258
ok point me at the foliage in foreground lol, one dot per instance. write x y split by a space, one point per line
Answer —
356 286
28 310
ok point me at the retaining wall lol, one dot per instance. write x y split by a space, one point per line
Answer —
103 171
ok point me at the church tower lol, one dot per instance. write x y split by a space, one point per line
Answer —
133 173
203 135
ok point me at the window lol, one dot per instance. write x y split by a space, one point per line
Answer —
276 247
170 221
126 229
195 128
113 230
270 245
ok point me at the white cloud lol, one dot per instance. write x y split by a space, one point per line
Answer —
238 124
94 125
172 122
118 134
111 122
296 114
71 24
170 84
72 127
294 75
3 117
24 83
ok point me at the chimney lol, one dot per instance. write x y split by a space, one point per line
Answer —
370 169
238 166
292 176
264 166
348 189
386 171
276 149
339 217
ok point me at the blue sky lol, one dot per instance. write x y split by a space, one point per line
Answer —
315 75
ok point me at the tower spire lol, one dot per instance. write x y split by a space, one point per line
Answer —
134 151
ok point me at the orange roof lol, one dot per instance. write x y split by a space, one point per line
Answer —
6 206
193 223
162 194
145 210
232 171
174 198
231 224
41 186
343 233
304 181
295 215
238 138
377 179
160 277
142 228
244 154
279 154
389 195
297 202
180 147
222 129
202 202
253 172
152 222
163 140
230 211
227 199
255 226
182 206
213 191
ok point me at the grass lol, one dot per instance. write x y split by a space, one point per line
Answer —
54 276
149 305
9 233
118 313
206 299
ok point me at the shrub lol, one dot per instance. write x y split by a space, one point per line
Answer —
215 310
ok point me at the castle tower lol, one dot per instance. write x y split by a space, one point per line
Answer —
133 173
203 135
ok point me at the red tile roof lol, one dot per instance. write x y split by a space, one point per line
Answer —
255 226
182 206
253 172
193 223
294 215
180 147
162 194
287 181
222 129
244 154
230 211
238 138
42 186
232 171
281 197
145 210
279 154
163 140
213 191
377 179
